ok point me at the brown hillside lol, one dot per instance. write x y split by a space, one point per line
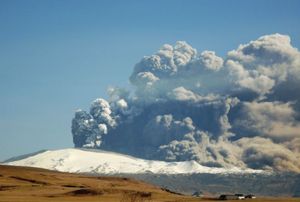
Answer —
33 184
39 185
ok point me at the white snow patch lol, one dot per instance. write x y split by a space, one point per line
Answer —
103 162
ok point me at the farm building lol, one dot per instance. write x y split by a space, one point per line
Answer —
236 196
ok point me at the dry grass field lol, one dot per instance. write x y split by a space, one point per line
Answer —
23 184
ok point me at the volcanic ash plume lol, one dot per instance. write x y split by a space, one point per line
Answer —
241 110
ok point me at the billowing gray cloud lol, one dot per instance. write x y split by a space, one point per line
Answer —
182 94
264 63
260 153
241 110
274 120
252 80
101 112
209 60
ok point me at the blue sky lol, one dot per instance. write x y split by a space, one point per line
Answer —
59 55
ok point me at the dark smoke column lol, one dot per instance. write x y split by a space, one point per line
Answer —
241 110
88 128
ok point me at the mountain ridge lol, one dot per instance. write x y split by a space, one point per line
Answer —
105 162
182 177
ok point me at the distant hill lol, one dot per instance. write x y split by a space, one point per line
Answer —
17 158
276 184
103 162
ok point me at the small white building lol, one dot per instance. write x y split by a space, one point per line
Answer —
232 197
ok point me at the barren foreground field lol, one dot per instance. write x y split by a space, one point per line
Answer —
39 185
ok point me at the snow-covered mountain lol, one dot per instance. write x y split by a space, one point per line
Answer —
103 162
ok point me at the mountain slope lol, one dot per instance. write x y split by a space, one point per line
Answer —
21 184
103 162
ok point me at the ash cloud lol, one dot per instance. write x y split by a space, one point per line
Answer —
240 110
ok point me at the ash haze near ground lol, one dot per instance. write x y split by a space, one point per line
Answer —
238 110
